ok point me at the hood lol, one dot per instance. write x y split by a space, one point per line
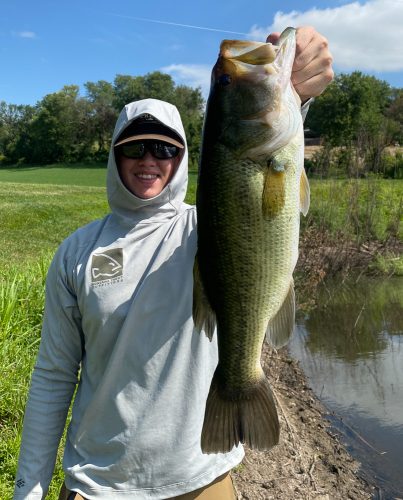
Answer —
123 203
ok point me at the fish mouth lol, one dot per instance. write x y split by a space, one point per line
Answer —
269 65
249 59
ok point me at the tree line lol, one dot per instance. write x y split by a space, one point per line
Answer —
356 118
65 127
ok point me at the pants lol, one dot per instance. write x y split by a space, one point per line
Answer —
220 489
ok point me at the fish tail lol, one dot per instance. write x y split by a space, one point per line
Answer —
249 417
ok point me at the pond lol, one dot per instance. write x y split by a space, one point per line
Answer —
351 349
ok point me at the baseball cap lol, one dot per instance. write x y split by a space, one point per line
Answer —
147 126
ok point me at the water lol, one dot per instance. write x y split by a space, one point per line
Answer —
351 349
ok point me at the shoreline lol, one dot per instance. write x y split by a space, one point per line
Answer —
309 462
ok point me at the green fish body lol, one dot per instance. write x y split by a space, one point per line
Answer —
251 190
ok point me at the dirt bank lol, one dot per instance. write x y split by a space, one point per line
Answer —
309 462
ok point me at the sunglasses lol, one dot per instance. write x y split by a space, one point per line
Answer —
159 149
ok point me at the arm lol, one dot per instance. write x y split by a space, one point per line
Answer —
312 70
52 386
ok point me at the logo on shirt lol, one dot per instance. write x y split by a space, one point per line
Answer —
107 267
20 483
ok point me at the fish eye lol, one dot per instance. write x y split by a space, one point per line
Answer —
225 79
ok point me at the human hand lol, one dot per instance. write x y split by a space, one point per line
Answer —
312 69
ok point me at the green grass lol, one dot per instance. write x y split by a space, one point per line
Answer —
359 209
67 175
37 213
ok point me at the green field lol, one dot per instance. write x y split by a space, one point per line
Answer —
40 207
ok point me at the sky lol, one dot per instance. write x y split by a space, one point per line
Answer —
46 44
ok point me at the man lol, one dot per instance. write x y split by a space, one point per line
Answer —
118 321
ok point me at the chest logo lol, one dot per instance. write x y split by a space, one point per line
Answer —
107 266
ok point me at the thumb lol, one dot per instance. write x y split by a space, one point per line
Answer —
273 37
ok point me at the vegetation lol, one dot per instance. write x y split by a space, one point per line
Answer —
42 199
357 118
67 127
35 218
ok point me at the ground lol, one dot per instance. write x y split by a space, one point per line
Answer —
309 462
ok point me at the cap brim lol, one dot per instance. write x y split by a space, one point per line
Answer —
159 137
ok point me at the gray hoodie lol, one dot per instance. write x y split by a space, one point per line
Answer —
118 320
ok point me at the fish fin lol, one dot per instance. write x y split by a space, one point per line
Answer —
249 417
304 193
280 328
273 198
203 315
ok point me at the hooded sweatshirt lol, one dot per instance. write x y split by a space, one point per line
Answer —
118 321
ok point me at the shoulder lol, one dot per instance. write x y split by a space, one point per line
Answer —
76 247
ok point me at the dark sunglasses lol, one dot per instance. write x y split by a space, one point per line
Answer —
159 149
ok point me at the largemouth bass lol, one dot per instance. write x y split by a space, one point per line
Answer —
251 189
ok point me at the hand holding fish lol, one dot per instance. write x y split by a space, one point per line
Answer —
312 69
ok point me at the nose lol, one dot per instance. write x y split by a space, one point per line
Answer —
148 159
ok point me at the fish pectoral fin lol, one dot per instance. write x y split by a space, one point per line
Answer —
273 197
280 328
304 193
248 416
203 315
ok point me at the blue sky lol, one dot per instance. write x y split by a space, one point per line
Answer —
47 44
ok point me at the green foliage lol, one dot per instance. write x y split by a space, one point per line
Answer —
64 127
357 117
21 308
352 104
357 209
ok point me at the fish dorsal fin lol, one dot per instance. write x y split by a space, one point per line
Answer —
304 193
280 328
203 315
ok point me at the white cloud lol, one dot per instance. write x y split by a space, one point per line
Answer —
194 75
363 36
25 34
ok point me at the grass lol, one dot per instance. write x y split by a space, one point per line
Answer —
38 210
67 175
362 209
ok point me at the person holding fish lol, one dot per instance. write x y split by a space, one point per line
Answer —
120 315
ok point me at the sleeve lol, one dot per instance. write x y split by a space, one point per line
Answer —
52 387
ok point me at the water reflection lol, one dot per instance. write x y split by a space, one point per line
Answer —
351 348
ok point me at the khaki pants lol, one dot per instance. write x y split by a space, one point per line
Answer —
220 489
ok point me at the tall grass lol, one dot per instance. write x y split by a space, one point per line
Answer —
21 307
359 209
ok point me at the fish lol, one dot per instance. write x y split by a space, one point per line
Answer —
251 189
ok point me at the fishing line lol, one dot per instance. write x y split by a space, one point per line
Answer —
179 24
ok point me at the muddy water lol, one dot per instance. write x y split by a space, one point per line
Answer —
351 349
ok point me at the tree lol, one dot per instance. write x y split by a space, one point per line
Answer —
101 97
352 103
351 115
60 129
65 127
15 121
395 113
190 104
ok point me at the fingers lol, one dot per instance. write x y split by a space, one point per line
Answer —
311 88
312 69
